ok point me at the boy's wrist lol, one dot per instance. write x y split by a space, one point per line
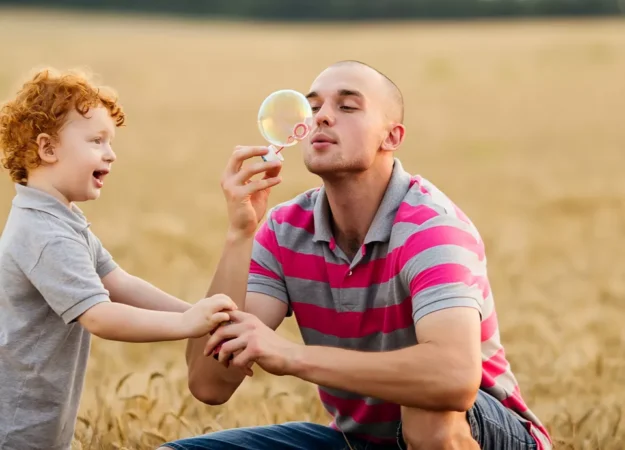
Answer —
180 327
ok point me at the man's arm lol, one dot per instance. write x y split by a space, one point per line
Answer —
133 291
442 372
209 381
443 268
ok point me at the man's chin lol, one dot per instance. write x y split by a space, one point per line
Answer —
330 167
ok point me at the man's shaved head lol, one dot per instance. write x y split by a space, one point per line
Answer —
358 115
395 96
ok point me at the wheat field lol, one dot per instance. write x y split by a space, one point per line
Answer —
521 123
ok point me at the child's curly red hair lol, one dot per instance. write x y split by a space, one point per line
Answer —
41 106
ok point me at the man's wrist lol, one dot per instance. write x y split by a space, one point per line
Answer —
298 362
235 236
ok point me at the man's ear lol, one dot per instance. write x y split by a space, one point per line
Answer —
394 138
45 149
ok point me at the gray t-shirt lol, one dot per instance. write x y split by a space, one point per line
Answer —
51 266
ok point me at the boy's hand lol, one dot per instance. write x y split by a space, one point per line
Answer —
206 315
247 199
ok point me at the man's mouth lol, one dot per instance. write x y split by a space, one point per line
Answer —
322 141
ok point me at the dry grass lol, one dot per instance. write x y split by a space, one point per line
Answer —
520 123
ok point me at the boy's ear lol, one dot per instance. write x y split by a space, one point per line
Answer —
45 148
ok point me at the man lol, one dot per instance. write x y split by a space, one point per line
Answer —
387 280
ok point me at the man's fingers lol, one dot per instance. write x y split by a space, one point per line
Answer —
259 185
230 347
244 360
246 173
242 153
222 333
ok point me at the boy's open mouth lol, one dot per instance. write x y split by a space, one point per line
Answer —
99 175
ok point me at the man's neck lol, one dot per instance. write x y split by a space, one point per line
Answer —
354 202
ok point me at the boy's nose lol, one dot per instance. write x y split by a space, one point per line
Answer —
110 156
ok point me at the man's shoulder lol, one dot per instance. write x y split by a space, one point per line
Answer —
298 209
425 205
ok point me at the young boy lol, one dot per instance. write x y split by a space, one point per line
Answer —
58 284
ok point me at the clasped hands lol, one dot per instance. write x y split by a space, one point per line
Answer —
246 340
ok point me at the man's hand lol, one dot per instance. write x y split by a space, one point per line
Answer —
251 341
247 199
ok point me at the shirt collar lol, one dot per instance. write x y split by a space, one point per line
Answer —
380 229
32 198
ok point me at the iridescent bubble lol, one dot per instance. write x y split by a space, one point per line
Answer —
284 118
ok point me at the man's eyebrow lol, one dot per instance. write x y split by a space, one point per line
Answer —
341 93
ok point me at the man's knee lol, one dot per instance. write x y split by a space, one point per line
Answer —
436 430
441 439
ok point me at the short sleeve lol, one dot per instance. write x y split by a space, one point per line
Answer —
105 262
266 275
66 277
444 267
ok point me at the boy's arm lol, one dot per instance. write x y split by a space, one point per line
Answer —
65 275
133 291
119 322
129 289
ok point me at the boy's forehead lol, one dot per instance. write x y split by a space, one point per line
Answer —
97 117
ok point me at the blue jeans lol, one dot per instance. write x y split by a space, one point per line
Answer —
492 426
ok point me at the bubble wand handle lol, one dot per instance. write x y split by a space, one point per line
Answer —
300 131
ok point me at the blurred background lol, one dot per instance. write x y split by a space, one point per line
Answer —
514 108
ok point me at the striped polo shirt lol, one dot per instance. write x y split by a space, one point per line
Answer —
420 255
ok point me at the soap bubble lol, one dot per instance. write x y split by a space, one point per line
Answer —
284 118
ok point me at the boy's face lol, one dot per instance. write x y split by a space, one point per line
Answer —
81 156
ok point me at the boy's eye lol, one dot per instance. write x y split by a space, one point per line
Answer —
97 141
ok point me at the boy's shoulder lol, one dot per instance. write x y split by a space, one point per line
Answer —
32 224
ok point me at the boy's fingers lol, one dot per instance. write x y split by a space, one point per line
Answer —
220 318
222 302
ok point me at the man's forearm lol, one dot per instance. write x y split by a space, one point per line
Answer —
232 271
424 376
209 380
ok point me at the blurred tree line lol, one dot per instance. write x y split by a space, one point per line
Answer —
343 9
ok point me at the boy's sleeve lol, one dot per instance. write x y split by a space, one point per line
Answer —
66 277
105 263
266 275
444 267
